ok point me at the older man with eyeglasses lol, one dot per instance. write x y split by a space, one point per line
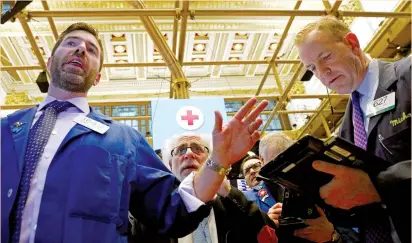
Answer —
233 218
186 154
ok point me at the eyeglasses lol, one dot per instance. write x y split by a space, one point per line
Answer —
194 147
256 167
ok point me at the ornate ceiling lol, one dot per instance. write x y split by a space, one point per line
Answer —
137 69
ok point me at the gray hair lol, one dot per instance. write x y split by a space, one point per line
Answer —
169 144
276 142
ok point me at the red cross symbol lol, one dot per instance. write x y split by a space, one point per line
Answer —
189 117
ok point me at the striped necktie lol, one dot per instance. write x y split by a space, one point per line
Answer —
379 231
360 137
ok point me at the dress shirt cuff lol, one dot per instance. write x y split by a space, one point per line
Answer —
187 192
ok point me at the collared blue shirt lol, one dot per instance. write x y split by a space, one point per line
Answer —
367 89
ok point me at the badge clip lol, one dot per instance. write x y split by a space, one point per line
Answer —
91 124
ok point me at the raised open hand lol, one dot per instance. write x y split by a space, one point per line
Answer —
232 141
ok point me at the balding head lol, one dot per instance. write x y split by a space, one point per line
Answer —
272 145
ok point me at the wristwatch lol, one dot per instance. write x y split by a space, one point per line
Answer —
335 236
216 167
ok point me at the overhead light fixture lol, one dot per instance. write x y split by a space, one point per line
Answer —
200 47
234 59
201 34
120 49
117 35
272 46
121 61
237 47
159 59
198 59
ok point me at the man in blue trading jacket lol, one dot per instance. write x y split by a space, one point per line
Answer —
377 119
258 192
70 174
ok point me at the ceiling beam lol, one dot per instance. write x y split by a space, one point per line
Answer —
327 5
180 83
174 42
313 118
336 6
227 99
241 62
5 60
15 60
175 28
299 96
134 13
51 22
325 124
293 112
183 27
162 64
277 78
282 99
390 29
278 47
22 19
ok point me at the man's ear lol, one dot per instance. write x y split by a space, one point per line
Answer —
351 40
97 79
49 61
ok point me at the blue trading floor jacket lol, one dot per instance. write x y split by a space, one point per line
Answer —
92 182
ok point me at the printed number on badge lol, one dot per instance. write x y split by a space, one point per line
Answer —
380 101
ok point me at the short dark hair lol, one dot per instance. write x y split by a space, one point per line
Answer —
85 27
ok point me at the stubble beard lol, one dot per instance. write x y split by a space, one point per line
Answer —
71 82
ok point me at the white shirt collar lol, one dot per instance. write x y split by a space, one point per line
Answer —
367 86
80 102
